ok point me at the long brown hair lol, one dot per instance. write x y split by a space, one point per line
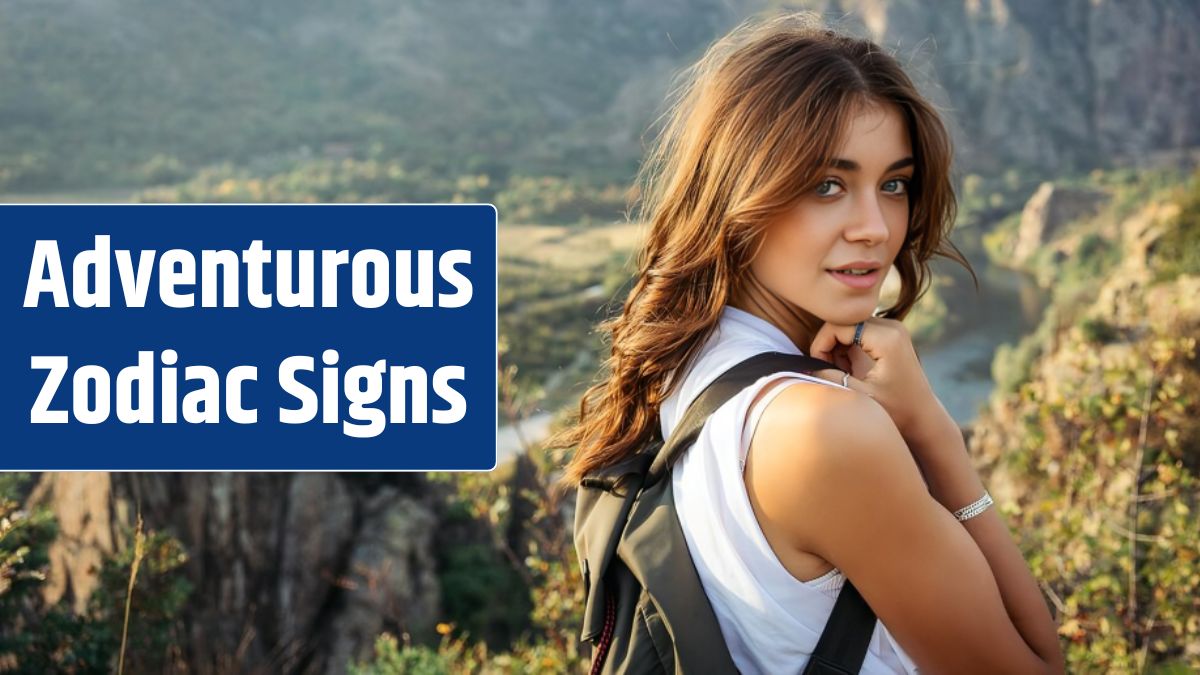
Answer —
747 132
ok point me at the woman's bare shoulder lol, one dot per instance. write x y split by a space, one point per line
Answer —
812 436
831 472
831 425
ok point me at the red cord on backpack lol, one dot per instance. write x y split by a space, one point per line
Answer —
606 635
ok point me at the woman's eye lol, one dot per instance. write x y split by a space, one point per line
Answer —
822 188
902 184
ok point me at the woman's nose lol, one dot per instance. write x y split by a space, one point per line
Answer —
869 222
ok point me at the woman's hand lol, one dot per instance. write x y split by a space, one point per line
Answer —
887 369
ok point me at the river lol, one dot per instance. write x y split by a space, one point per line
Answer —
959 367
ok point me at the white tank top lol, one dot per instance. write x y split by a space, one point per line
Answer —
771 620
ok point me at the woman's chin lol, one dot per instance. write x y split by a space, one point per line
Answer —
845 316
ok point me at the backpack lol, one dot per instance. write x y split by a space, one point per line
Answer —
646 610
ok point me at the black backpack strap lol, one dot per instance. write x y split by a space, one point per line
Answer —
721 390
624 480
843 644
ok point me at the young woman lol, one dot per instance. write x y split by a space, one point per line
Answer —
799 166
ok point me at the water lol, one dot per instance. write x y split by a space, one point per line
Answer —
511 440
1008 306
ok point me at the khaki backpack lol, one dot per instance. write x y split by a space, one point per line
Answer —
646 610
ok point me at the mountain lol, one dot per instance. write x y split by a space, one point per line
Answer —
466 85
105 92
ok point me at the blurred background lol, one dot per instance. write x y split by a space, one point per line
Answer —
1073 371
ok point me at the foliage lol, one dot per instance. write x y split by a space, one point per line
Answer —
550 199
519 199
548 314
927 320
35 638
1098 331
984 199
1178 249
1131 188
24 538
1109 452
1095 250
547 572
1001 240
1074 278
1101 445
456 655
528 524
323 181
1012 365
482 594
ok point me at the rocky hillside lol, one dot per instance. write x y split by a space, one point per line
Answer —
148 91
1053 85
1092 445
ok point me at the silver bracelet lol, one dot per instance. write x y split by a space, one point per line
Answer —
975 508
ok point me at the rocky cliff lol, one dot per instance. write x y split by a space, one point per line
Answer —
1054 85
291 573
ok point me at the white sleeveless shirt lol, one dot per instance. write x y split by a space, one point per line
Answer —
771 620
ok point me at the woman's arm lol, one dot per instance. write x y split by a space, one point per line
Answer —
941 454
831 474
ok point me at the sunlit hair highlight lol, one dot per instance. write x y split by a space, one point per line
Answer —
747 133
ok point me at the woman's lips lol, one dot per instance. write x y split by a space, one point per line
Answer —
860 281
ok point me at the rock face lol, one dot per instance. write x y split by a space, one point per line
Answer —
290 572
1051 86
1047 211
88 532
1058 86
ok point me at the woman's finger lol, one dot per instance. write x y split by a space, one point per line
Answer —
876 336
828 374
839 377
828 338
861 364
858 385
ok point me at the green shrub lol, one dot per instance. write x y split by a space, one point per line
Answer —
1178 250
35 638
483 595
1098 331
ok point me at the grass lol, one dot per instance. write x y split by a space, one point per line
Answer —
569 247
139 552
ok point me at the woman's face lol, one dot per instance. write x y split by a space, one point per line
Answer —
858 213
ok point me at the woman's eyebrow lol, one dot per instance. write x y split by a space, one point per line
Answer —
851 165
